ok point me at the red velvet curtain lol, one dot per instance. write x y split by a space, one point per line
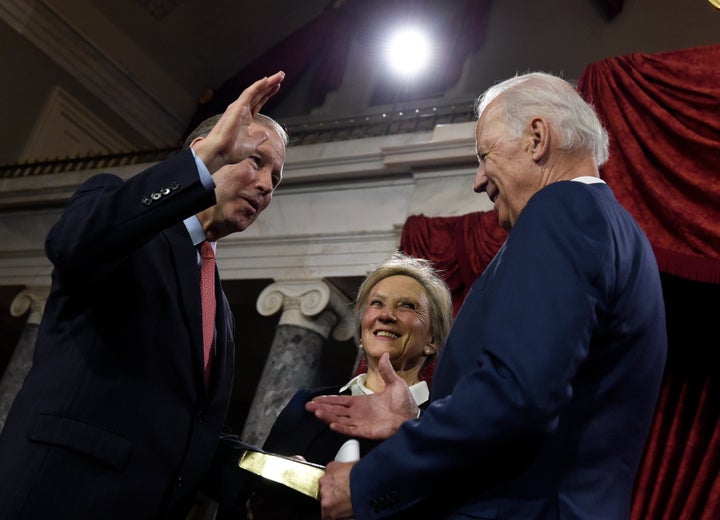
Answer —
678 478
663 114
459 247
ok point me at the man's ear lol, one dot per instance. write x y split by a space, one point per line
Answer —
539 138
197 140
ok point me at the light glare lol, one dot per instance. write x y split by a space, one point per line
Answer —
408 52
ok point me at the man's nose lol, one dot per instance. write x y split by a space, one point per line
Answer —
481 180
264 182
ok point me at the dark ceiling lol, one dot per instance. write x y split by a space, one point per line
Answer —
201 43
142 67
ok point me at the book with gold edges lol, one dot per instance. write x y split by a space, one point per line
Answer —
295 474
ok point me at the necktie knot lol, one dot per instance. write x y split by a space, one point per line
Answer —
206 250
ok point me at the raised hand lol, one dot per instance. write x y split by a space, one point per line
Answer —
376 416
231 140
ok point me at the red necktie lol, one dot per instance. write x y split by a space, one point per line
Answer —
207 294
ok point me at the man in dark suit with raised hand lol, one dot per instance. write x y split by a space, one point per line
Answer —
120 415
544 394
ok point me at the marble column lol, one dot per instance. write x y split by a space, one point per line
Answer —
32 299
311 310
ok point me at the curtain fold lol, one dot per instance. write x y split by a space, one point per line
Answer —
679 475
662 112
459 247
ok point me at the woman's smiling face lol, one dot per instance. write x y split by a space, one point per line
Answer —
397 320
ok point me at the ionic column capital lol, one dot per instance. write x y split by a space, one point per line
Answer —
312 304
32 298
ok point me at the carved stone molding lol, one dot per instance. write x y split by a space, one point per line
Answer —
130 96
311 304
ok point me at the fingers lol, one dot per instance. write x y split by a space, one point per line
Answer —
330 413
257 94
387 372
349 430
254 97
337 400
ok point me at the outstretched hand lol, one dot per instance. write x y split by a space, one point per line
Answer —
376 416
230 141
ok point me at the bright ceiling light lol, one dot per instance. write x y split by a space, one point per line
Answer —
408 52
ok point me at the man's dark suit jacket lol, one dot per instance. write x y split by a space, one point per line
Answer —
545 391
114 419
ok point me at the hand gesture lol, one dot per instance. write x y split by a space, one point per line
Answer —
230 141
376 416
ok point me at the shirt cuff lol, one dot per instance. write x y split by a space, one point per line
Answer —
204 173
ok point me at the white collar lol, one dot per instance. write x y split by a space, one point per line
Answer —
587 179
419 391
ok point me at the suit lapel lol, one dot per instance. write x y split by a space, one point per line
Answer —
184 255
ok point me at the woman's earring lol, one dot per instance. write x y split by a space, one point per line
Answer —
360 347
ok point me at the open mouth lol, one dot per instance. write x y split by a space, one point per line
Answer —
387 334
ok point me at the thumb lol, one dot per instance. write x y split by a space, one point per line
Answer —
386 370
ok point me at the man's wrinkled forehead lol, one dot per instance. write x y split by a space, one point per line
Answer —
273 149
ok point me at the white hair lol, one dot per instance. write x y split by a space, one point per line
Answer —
538 93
